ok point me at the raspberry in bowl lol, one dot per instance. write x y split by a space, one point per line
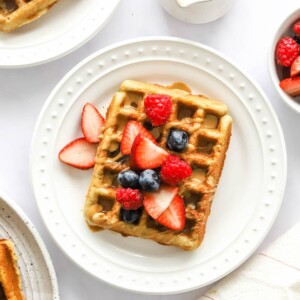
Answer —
284 60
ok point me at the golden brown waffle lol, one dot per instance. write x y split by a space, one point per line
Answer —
209 128
16 13
10 284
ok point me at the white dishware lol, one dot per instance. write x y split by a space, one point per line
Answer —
36 269
284 29
197 11
68 25
248 197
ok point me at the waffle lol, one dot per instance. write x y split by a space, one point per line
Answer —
16 13
10 285
209 128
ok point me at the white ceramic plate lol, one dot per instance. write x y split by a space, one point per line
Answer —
37 272
248 197
66 26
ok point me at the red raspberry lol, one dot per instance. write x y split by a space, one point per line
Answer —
129 198
174 170
158 108
287 50
296 27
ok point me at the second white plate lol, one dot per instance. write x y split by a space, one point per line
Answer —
66 26
36 269
248 197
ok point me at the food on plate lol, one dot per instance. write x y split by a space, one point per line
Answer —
287 55
10 283
81 152
91 123
16 13
156 174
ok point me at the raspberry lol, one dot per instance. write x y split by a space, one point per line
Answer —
129 199
174 170
296 27
287 50
158 108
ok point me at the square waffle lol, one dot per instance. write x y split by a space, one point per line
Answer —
209 129
10 284
16 13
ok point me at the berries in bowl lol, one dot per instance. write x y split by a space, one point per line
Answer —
284 60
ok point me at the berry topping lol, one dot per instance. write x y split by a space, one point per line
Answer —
149 180
297 38
177 140
146 154
174 216
296 27
91 123
174 170
128 179
158 108
131 216
79 154
291 86
132 129
156 203
295 68
129 198
287 50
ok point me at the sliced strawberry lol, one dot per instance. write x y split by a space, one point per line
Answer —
156 203
146 154
291 86
174 216
132 129
295 68
91 123
79 154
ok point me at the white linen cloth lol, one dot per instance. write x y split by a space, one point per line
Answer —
273 274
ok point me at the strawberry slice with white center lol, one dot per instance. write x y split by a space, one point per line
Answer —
156 203
291 86
146 154
174 216
132 129
91 123
295 68
79 154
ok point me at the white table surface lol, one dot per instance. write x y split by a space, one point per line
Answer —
243 35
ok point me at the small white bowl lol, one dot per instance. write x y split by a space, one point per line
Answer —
285 29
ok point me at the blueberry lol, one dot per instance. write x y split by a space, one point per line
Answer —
297 39
128 179
177 140
149 180
131 216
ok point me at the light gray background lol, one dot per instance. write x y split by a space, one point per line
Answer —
243 35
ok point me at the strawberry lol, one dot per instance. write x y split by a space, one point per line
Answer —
146 154
296 28
174 216
91 123
79 154
132 129
295 68
291 86
156 203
